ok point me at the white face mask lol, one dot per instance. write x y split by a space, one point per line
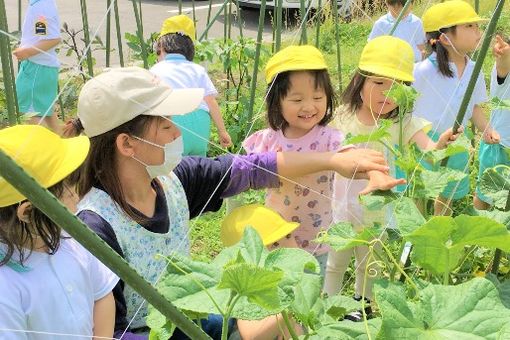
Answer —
173 155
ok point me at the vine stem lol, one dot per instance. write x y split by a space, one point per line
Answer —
291 329
232 300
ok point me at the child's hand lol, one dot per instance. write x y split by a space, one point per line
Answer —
448 137
355 163
378 180
501 51
491 136
21 53
225 139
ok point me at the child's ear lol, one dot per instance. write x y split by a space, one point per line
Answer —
124 144
443 39
24 211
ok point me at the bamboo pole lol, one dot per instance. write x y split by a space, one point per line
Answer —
108 35
6 68
302 14
194 16
257 59
477 68
318 25
400 16
279 22
477 6
209 10
334 8
180 6
51 207
119 33
139 31
86 36
239 19
211 22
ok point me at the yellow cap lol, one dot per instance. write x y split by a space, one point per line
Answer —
42 154
388 57
448 14
269 224
178 24
295 58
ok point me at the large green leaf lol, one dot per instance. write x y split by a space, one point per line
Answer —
292 260
258 285
407 215
379 134
378 199
471 310
434 182
403 95
499 216
462 144
342 236
307 305
251 247
161 328
495 184
503 289
439 243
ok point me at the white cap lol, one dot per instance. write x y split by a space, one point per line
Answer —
118 95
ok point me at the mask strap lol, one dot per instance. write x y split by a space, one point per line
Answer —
139 161
148 142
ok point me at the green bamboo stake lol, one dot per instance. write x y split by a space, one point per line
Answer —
209 10
6 68
302 14
13 80
51 207
139 31
211 22
61 104
476 70
337 40
477 6
119 33
141 14
400 16
239 19
257 59
318 27
180 6
279 22
108 26
86 36
225 22
194 16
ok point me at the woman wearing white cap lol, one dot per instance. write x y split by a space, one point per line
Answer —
138 194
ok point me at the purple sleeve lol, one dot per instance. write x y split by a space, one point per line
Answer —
254 171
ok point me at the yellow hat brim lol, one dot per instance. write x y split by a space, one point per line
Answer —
458 22
75 151
280 233
387 72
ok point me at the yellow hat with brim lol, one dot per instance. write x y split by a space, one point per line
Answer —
448 14
388 57
295 58
178 24
42 154
269 224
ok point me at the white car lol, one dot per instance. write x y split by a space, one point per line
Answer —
344 6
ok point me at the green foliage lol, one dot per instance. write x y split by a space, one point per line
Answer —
380 134
472 310
495 184
402 95
135 46
342 236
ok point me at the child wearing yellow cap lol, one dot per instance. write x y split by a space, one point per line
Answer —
491 155
176 50
441 80
138 192
364 104
300 101
49 284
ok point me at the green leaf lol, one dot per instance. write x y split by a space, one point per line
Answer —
462 144
251 247
348 330
499 216
161 328
471 310
498 104
342 236
292 260
495 184
337 306
435 181
502 287
259 285
378 199
380 133
407 216
403 95
439 243
307 303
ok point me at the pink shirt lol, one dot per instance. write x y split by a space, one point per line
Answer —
309 202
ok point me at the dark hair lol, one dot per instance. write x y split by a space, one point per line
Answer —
441 51
176 43
19 236
397 2
100 168
279 89
352 94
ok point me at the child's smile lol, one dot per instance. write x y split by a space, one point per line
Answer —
305 105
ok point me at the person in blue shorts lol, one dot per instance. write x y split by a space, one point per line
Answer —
37 80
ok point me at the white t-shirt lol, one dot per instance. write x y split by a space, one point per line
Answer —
440 97
409 29
55 296
41 23
180 73
500 119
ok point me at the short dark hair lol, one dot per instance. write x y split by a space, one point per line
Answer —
397 2
176 43
279 89
442 53
20 236
352 93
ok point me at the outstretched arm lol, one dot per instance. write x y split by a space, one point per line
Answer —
22 53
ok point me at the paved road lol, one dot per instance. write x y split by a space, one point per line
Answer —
154 12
